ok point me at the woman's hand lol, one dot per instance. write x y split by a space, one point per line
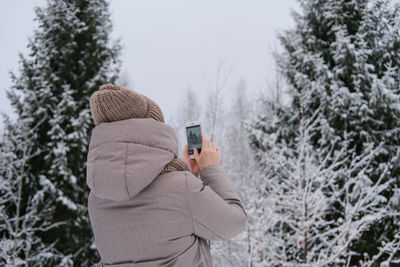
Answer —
192 162
210 155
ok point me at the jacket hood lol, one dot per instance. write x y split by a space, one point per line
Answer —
125 156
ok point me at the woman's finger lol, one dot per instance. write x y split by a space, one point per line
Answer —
213 146
206 143
185 153
203 141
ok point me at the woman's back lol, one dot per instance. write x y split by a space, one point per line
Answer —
154 227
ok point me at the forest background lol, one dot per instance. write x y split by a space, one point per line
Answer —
315 156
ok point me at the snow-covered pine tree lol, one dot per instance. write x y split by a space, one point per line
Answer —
20 221
299 231
71 55
346 53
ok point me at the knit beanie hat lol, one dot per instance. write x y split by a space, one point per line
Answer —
114 103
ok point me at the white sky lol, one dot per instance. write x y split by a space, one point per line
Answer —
170 45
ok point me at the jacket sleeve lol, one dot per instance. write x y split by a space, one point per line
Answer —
216 209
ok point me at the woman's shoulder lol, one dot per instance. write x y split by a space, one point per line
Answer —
175 180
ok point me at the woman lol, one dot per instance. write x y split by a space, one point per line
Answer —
147 207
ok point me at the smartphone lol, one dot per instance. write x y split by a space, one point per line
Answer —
193 134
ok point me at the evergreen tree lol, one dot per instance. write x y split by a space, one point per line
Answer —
298 228
346 54
70 57
20 244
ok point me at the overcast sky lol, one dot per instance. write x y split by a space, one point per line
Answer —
170 45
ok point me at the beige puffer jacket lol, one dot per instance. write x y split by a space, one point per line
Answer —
140 218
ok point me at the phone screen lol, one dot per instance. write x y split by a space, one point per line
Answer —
193 134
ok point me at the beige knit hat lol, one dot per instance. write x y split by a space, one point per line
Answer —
114 103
